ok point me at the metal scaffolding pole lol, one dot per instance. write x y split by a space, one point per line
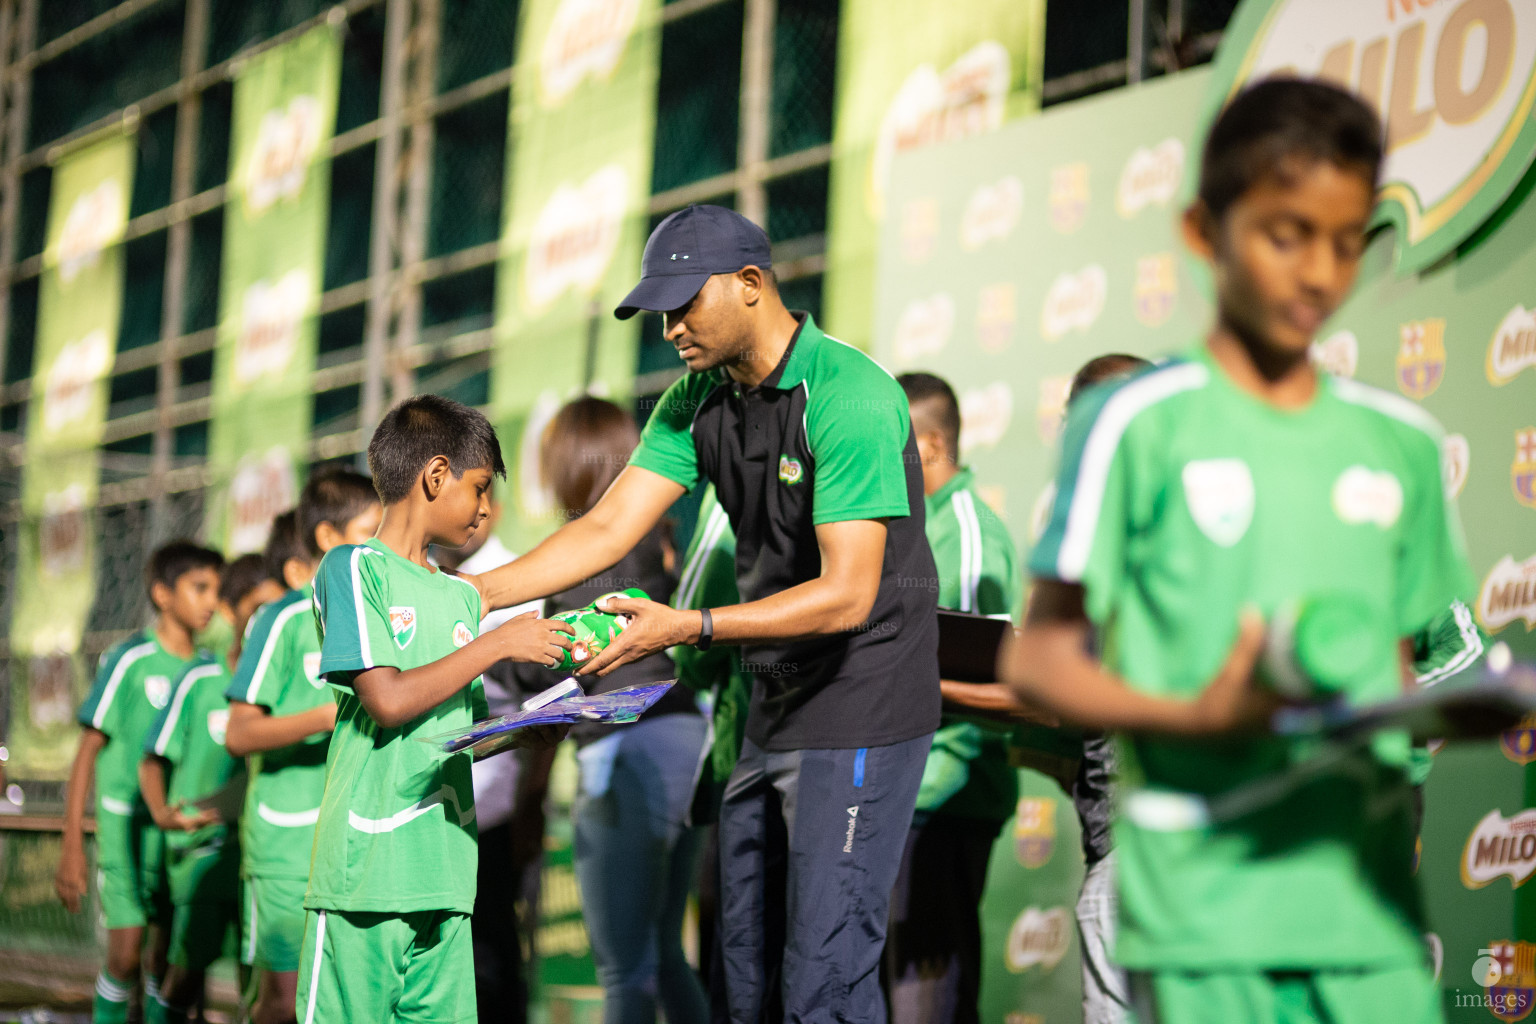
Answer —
422 49
383 238
178 247
18 30
756 110
1136 43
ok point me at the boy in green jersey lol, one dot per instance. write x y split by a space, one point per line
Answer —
133 684
184 763
1197 501
243 589
392 882
281 716
969 786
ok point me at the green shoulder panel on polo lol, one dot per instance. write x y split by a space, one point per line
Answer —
1181 500
396 830
857 423
968 773
189 735
279 670
133 685
666 445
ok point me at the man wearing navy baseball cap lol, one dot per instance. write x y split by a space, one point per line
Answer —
810 448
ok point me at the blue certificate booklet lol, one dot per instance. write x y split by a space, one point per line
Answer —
493 735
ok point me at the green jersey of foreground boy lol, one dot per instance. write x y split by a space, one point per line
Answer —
1238 477
392 882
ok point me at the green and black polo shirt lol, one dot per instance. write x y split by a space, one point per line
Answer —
825 438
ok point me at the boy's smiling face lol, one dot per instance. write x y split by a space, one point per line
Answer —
460 506
1285 254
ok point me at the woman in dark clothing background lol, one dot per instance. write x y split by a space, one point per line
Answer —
635 859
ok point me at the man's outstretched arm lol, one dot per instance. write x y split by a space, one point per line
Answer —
586 546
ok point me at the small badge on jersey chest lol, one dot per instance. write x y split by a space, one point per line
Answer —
1362 495
790 471
1219 493
402 624
462 634
158 690
218 725
312 669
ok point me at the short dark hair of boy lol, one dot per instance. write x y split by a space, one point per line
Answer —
1102 368
943 406
242 576
1274 123
172 561
284 541
418 429
336 496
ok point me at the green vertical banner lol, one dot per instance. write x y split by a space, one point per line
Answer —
578 182
911 74
269 297
79 308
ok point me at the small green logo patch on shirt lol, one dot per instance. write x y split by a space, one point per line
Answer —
312 669
789 470
462 634
158 690
402 623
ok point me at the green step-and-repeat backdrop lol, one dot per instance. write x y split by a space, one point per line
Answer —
1009 259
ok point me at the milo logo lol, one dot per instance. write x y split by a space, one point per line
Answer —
790 470
95 221
1454 81
1513 347
73 382
270 315
586 37
287 142
574 236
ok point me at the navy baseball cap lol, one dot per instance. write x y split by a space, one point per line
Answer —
688 248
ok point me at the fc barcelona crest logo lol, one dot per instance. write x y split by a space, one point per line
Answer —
1157 286
402 625
1421 357
1507 970
1522 472
1068 198
1519 743
1034 830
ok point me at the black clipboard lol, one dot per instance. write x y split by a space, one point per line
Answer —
968 646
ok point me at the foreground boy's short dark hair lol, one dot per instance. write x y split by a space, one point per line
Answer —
1279 120
335 496
242 576
284 541
172 561
419 428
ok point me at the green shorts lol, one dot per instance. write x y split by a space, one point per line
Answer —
417 967
130 866
1390 995
274 923
200 931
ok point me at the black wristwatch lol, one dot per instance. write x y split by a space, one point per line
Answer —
706 632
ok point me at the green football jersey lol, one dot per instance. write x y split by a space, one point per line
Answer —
280 670
968 773
1181 499
396 831
189 734
133 685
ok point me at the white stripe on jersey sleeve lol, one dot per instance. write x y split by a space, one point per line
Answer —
1395 406
267 648
114 681
1099 453
187 682
357 599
